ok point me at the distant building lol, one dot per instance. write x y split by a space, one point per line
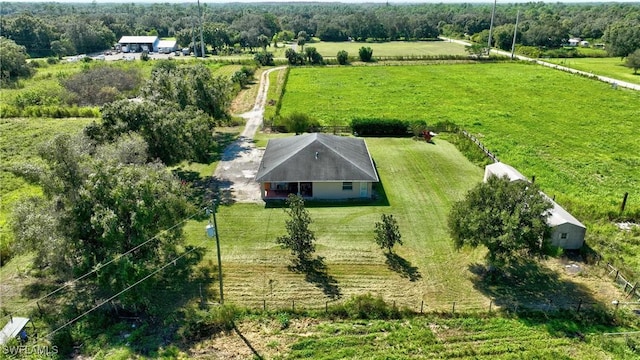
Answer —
584 43
138 43
167 46
574 41
568 233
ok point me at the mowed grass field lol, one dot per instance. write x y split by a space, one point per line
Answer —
420 180
392 48
576 135
610 67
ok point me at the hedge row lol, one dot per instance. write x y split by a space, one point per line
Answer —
50 111
384 127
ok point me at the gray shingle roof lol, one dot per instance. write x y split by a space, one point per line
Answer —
316 157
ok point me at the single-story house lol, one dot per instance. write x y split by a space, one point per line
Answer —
167 46
574 41
567 232
317 166
138 43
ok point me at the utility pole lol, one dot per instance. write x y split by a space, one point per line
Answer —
212 230
515 32
493 15
201 37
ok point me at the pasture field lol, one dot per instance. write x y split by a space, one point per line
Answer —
389 49
539 120
609 67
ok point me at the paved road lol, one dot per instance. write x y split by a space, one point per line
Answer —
613 82
236 171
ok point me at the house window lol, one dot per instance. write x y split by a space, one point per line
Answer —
347 186
563 235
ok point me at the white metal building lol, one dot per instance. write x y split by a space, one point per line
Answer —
568 233
138 43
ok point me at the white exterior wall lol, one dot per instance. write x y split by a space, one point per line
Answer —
574 239
333 190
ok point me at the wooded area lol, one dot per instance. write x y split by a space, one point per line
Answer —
47 29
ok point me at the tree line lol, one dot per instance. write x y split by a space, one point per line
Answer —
49 29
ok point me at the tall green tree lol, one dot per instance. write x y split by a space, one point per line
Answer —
387 233
190 85
95 209
172 134
14 61
299 239
508 218
623 37
633 61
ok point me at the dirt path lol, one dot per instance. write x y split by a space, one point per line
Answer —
235 174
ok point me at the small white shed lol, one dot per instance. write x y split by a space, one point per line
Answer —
567 232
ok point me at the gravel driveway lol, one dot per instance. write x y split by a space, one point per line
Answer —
235 174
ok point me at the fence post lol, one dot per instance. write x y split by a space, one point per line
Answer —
617 272
421 306
579 305
39 308
453 310
264 304
293 305
624 202
326 307
490 304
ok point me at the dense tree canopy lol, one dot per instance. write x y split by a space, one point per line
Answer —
41 27
508 218
14 61
97 207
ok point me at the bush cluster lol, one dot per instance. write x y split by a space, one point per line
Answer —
51 111
383 127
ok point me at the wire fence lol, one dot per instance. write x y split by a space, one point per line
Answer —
424 307
630 289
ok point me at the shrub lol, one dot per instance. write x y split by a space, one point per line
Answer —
299 123
369 307
380 127
9 111
52 60
264 58
201 324
366 54
342 57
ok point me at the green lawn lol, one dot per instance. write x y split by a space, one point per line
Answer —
392 48
610 67
421 181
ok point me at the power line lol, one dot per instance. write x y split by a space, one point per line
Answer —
117 257
121 292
